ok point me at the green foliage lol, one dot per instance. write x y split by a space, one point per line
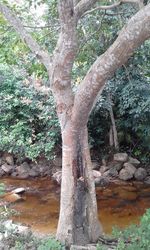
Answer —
50 244
2 188
28 122
138 237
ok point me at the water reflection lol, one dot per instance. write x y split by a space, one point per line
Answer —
118 205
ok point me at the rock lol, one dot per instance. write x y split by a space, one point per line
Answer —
88 247
134 161
101 181
140 174
18 191
16 228
57 176
57 161
21 170
23 176
14 174
103 169
129 167
148 170
25 165
112 172
1 236
33 173
1 161
125 175
8 158
147 180
1 172
121 157
95 165
12 197
7 168
118 166
96 174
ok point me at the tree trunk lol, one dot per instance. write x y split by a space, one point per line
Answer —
78 222
114 130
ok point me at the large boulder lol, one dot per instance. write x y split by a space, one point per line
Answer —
121 157
134 161
140 174
125 175
129 167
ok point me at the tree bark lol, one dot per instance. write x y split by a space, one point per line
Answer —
78 222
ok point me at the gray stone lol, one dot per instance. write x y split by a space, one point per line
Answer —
147 180
23 176
103 169
96 174
21 170
118 166
25 165
101 181
88 247
14 174
121 157
140 174
129 167
112 172
125 175
8 158
1 172
134 161
33 173
7 168
1 161
57 176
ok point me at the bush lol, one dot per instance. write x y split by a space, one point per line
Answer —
137 236
28 122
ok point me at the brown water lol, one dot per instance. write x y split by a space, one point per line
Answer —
118 205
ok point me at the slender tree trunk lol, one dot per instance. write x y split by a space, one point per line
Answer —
114 130
78 222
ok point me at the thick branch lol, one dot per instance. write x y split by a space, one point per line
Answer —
64 56
112 6
83 6
132 35
42 55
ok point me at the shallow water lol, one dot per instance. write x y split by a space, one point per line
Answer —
118 205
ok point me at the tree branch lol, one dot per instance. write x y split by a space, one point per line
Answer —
112 6
132 35
83 6
42 55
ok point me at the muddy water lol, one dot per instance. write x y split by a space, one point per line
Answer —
118 204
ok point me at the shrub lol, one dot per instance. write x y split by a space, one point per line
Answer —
28 121
137 236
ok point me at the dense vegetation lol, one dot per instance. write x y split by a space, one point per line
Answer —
28 122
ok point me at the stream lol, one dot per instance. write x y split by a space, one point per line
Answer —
119 204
